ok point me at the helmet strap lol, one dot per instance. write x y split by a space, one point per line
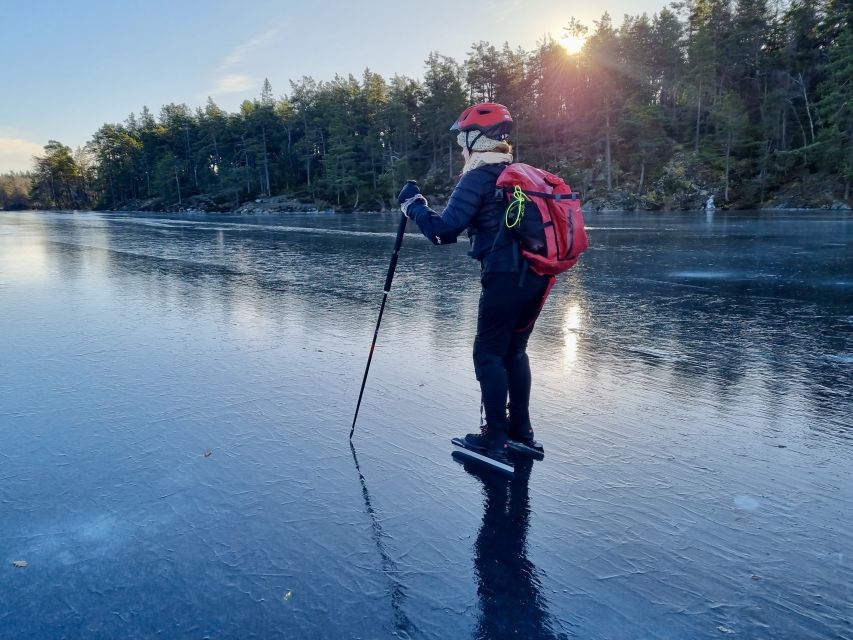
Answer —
470 145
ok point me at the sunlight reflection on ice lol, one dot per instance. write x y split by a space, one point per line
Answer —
571 325
27 262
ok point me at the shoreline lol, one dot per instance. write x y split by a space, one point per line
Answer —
272 212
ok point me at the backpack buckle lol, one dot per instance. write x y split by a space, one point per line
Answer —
500 194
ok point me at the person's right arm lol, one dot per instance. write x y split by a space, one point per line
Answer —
445 228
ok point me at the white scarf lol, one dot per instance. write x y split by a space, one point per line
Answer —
480 158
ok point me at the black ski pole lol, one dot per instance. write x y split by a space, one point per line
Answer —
391 269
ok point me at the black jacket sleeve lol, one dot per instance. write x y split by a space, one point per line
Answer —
444 228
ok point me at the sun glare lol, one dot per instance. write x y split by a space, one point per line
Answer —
573 44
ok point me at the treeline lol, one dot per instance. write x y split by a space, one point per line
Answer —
741 98
15 191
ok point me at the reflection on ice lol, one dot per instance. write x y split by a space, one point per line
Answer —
507 581
25 261
402 625
573 319
570 349
699 471
571 326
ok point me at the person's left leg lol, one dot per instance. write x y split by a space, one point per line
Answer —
519 382
517 363
497 316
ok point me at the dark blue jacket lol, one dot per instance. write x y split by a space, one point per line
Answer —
473 206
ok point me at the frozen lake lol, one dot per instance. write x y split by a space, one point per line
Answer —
176 395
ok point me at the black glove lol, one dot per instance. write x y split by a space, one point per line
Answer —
409 190
408 195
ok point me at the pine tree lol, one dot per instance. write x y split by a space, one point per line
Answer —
57 181
835 106
444 101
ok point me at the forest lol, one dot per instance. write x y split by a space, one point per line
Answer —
748 101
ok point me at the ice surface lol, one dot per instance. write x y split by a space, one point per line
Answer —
176 395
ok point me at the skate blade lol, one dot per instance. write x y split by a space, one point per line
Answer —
523 449
462 452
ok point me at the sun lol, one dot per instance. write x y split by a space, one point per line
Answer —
573 44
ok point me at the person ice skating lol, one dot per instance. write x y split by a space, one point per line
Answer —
511 294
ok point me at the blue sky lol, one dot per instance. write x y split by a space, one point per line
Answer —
71 66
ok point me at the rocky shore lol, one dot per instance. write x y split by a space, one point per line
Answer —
684 185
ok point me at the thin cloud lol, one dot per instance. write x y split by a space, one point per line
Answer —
242 52
232 78
233 83
505 10
17 154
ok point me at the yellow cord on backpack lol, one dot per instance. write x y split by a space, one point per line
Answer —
516 207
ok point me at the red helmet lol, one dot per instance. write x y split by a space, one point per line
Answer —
491 118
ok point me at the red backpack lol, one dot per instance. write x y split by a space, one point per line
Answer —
544 215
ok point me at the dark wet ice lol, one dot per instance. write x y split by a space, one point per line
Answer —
176 395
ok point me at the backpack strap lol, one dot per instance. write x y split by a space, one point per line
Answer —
502 231
521 265
500 195
555 196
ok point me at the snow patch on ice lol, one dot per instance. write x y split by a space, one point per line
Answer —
68 542
844 358
99 529
746 503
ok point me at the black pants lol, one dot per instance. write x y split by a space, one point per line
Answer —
509 306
